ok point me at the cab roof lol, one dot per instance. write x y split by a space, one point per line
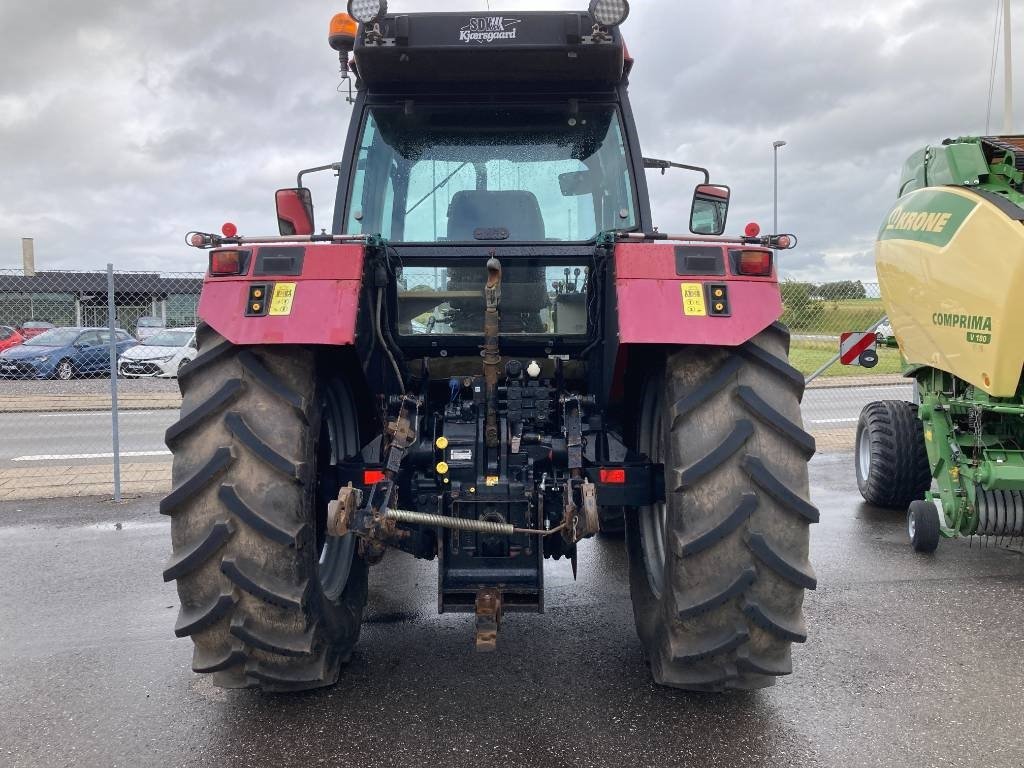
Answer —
458 52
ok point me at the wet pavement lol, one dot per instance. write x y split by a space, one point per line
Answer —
911 661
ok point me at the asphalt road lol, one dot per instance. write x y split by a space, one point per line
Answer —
30 438
828 407
912 661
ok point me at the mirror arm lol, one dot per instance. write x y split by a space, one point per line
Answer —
336 167
664 165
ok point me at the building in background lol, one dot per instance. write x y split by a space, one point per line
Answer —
80 298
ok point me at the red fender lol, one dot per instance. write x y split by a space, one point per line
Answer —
323 309
649 282
650 300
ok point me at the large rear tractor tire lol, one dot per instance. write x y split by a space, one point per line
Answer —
718 571
269 600
891 458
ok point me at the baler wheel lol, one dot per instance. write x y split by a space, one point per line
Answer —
269 600
718 572
923 526
890 457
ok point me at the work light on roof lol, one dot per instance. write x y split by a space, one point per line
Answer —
609 13
367 11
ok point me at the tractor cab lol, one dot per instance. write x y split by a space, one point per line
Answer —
490 134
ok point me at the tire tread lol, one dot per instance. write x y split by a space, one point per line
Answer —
736 570
900 472
245 558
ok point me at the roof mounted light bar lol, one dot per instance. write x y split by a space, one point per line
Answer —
609 13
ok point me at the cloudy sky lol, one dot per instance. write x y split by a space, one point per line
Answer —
123 125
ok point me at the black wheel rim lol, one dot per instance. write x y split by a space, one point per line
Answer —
339 439
653 520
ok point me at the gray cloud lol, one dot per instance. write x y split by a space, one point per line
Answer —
123 126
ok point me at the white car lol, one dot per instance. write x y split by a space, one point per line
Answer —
162 355
148 326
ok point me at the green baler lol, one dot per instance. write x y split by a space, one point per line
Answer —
950 261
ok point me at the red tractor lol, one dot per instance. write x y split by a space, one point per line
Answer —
492 351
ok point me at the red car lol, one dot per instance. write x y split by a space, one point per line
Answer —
9 337
34 328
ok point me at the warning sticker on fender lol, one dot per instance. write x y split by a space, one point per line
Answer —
693 299
281 302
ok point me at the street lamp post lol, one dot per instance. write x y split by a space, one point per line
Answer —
1008 71
776 145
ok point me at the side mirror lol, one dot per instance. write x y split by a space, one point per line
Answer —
710 209
575 183
294 211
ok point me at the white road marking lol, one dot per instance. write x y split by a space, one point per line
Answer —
835 421
68 456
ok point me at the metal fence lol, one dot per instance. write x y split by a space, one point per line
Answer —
60 407
63 417
818 315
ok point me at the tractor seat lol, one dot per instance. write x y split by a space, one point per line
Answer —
515 210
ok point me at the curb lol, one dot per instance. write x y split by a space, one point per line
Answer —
837 382
165 401
49 403
835 440
61 482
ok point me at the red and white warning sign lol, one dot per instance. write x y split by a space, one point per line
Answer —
858 348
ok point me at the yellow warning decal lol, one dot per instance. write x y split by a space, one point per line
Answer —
492 480
693 299
281 303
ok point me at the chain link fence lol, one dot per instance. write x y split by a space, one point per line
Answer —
59 340
56 391
818 315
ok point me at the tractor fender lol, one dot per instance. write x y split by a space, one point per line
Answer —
651 288
323 281
652 282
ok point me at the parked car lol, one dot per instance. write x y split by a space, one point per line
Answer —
147 326
164 354
62 353
9 337
31 328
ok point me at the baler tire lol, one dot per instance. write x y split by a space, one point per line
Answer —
890 440
923 526
733 560
261 608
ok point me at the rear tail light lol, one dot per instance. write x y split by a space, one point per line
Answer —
372 476
612 476
755 263
227 263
